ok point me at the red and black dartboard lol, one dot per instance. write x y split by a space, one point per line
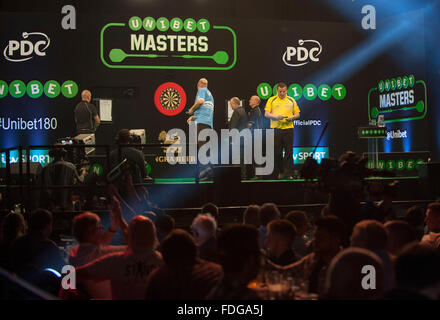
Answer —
170 98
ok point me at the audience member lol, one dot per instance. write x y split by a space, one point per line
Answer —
433 224
212 209
239 255
184 276
417 274
346 277
12 227
415 216
204 228
279 238
328 237
34 252
300 244
127 270
400 233
268 212
164 225
372 235
251 215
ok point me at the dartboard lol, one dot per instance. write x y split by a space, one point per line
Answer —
170 99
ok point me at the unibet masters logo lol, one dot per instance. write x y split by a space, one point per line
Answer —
160 43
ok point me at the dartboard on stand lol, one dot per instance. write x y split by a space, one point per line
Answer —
170 98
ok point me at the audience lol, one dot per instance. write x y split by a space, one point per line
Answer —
346 277
184 275
400 233
372 235
204 229
279 238
239 255
432 220
251 215
127 270
212 209
268 212
300 244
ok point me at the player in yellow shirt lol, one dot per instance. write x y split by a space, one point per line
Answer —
282 110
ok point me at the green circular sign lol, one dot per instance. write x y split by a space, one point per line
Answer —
339 92
34 89
203 25
411 81
69 89
274 90
381 86
374 112
17 88
370 164
176 24
135 23
393 84
52 88
391 165
410 164
3 88
400 165
310 92
295 91
149 23
405 82
97 169
399 83
324 92
387 85
162 24
190 25
264 90
148 168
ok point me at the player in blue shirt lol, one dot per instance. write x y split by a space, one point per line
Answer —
202 113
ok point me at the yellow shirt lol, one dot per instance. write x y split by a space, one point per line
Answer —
284 107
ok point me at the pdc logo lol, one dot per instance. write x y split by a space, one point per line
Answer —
302 54
33 43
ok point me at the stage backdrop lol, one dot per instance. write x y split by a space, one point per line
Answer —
148 64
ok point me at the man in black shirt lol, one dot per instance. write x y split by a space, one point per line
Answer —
254 121
86 117
239 121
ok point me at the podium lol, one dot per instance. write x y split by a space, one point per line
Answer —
373 134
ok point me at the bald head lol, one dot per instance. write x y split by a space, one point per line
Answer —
254 101
86 95
203 82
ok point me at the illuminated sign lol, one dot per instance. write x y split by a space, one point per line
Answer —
160 43
41 156
35 89
398 99
300 154
309 91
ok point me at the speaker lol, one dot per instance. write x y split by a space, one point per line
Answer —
227 175
429 174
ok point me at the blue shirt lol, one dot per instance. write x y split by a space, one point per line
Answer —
205 113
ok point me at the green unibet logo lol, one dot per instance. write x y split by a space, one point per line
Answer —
35 89
96 169
309 91
396 83
391 165
163 24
